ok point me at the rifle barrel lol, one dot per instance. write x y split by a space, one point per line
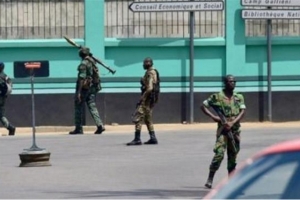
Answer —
224 121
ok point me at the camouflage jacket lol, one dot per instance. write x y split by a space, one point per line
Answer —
5 84
85 71
148 81
230 107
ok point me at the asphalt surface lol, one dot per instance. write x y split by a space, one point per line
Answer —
102 167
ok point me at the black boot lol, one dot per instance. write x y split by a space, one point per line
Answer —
153 139
11 130
136 140
209 181
231 169
77 130
100 129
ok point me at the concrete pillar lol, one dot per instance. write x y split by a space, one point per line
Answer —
235 38
94 27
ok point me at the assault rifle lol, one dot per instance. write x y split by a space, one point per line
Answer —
224 121
95 59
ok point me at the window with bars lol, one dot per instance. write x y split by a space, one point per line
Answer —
45 19
256 28
41 19
120 22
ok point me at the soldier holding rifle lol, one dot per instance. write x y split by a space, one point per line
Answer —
230 107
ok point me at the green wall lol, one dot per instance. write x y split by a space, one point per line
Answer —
214 57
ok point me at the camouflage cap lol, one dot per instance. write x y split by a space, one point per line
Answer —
85 50
1 64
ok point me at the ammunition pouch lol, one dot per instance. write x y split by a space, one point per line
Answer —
87 83
95 79
154 93
97 86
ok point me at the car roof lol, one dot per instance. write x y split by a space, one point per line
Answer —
282 147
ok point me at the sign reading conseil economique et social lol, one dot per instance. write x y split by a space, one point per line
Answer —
171 6
270 3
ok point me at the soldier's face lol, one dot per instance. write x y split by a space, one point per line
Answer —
147 64
230 83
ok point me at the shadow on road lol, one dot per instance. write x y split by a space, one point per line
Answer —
194 193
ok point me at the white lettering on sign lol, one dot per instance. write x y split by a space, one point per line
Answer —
270 3
176 6
270 14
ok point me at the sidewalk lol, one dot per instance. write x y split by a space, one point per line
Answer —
158 127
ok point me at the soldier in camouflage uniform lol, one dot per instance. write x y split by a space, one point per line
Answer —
145 106
86 92
5 82
233 106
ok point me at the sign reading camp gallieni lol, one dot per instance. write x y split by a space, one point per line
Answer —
270 3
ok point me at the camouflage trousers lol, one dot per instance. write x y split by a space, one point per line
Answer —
3 119
143 113
88 98
222 144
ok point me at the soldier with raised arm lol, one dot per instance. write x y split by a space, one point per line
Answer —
86 90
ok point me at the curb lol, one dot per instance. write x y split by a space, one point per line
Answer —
158 127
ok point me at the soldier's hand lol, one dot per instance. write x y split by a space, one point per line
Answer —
228 126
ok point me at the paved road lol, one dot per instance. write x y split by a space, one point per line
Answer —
101 166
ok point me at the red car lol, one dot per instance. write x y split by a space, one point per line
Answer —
273 173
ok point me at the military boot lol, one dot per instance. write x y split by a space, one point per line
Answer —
209 181
100 129
11 130
77 130
136 140
231 169
153 139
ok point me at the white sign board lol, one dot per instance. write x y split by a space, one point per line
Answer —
270 14
174 6
270 3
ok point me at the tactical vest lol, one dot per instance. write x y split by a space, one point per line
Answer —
156 88
94 77
154 96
